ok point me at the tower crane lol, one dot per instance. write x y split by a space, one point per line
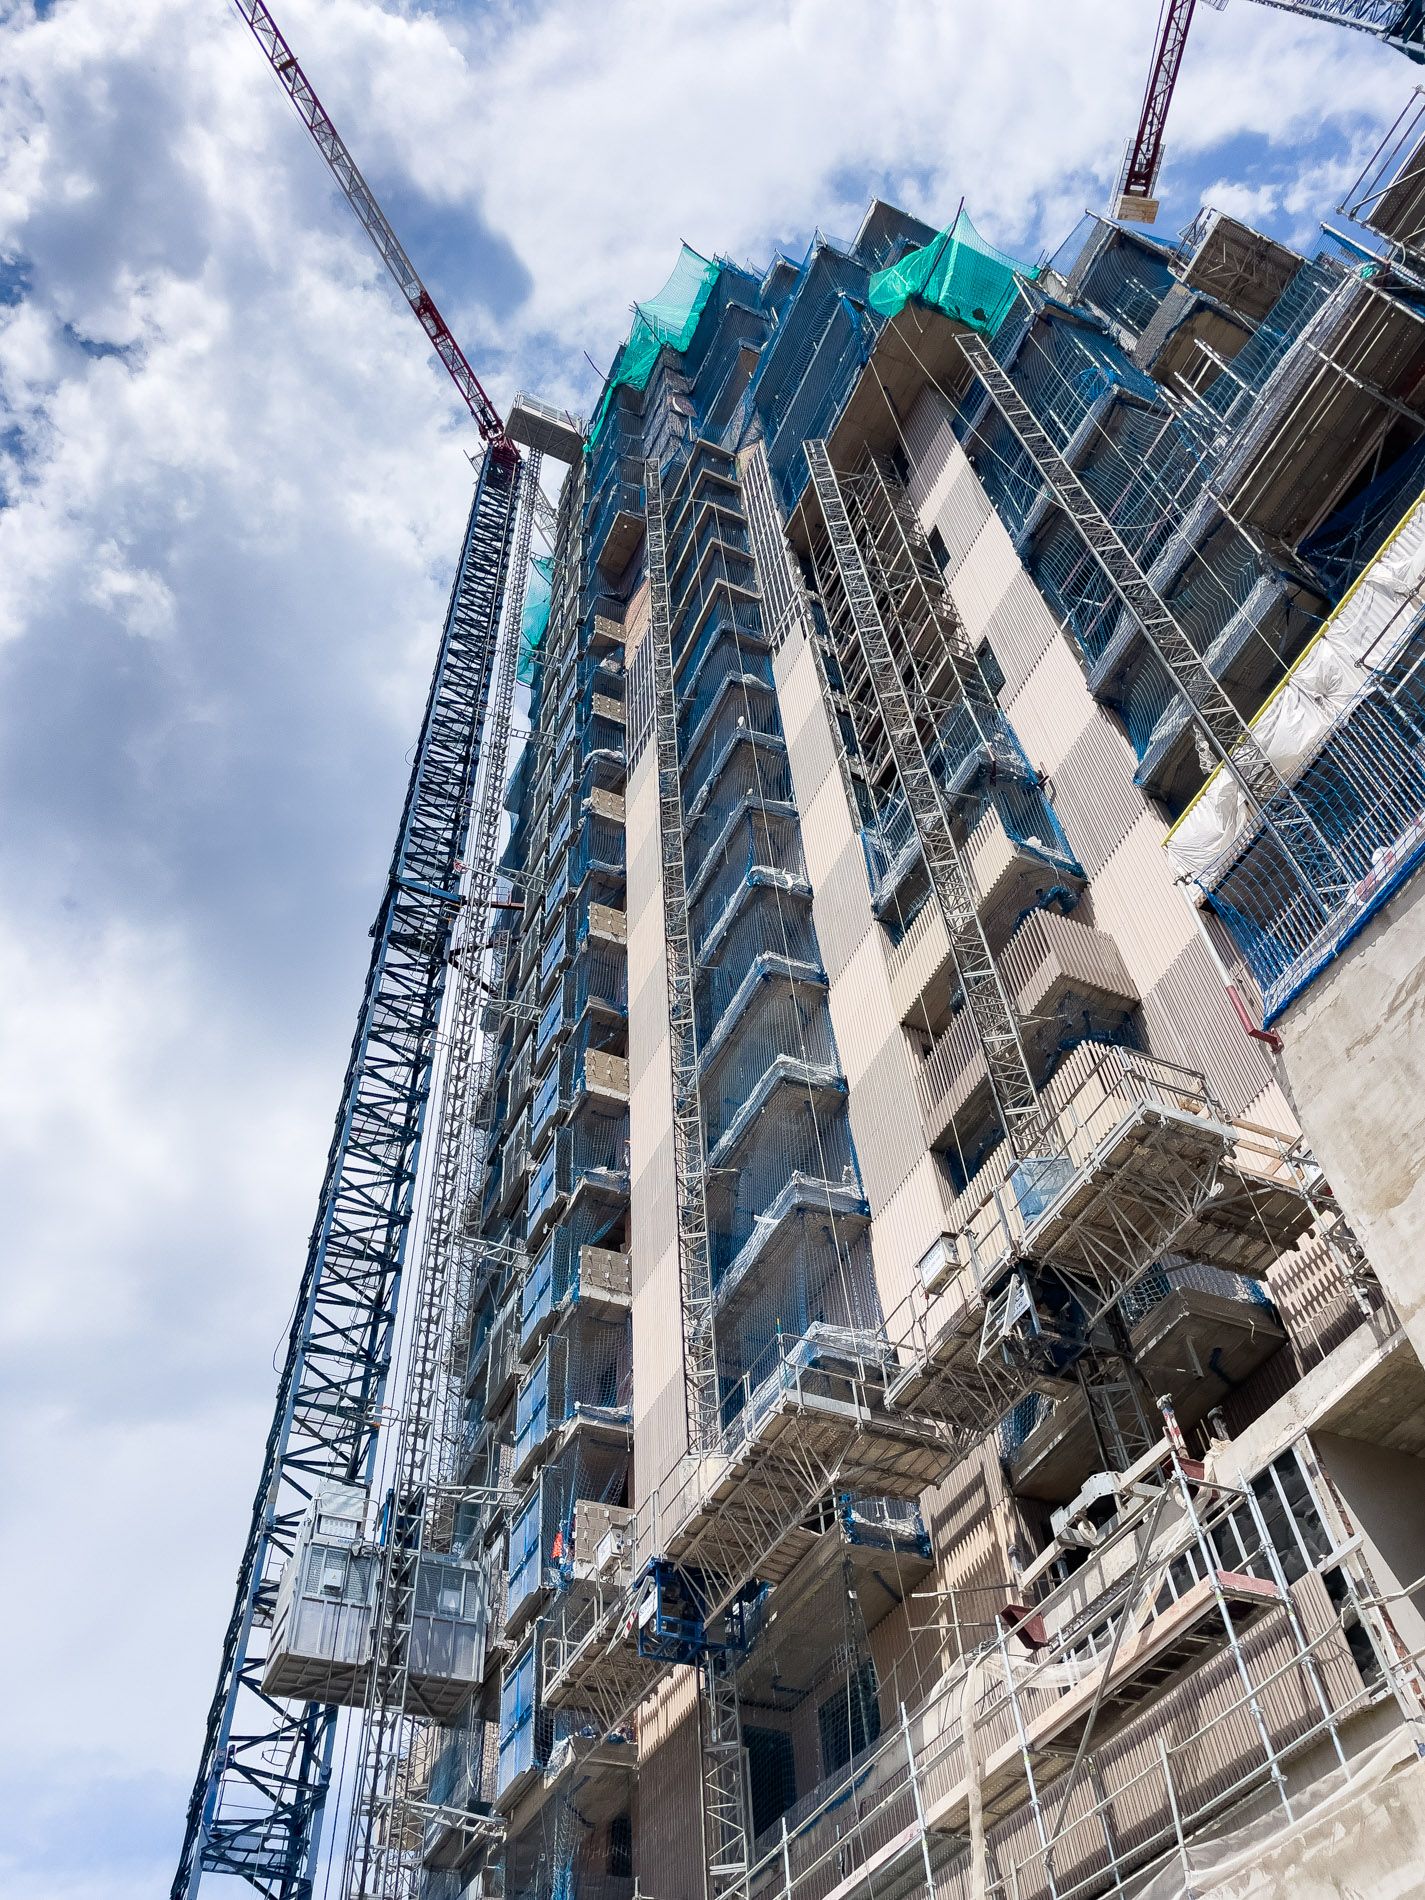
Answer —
257 1804
1397 23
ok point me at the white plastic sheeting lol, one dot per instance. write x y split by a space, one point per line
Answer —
1363 631
1355 1831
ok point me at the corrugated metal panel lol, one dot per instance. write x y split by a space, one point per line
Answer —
648 1118
959 509
826 825
905 1229
1020 632
1052 707
1319 1308
842 905
1094 793
861 1013
647 1023
1189 1020
920 956
1134 901
984 574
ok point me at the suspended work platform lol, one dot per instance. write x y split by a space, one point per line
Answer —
808 1418
1140 1162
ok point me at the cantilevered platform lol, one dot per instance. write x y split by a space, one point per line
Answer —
548 431
816 1422
1148 1167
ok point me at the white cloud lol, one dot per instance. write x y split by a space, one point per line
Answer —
224 556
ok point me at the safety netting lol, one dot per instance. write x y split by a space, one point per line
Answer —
957 273
669 318
535 618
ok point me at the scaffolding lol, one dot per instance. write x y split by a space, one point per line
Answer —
1149 1673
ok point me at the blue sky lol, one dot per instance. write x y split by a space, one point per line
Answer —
232 485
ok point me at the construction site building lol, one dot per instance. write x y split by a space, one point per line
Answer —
944 1375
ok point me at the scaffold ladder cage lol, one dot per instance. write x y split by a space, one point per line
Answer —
844 579
1226 733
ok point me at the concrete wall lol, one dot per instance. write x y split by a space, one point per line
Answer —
1353 1063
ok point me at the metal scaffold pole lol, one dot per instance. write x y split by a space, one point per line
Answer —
262 1781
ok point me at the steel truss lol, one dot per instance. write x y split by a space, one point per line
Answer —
862 582
1228 736
256 1806
726 1822
689 1149
384 1852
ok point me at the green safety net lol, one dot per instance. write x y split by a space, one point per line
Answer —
534 619
671 317
957 273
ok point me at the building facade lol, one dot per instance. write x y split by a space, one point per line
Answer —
946 1431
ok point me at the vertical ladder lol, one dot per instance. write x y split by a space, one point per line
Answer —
261 1787
1227 735
423 1517
727 1839
991 1013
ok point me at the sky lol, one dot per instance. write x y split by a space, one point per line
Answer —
232 488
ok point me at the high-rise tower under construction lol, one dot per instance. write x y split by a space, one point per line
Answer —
916 1386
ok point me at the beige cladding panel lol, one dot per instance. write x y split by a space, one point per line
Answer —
1051 709
1094 794
932 450
983 576
1134 902
1189 1017
668 1791
841 902
1020 632
658 1425
906 1228
811 745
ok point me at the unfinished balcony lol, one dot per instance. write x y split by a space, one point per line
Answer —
582 1075
769 937
557 1532
1014 849
730 677
457 1804
1139 1161
579 1388
740 719
570 1275
585 1162
759 848
1195 1334
781 1040
1299 427
1069 985
807 1418
727 625
789 1225
1106 1724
